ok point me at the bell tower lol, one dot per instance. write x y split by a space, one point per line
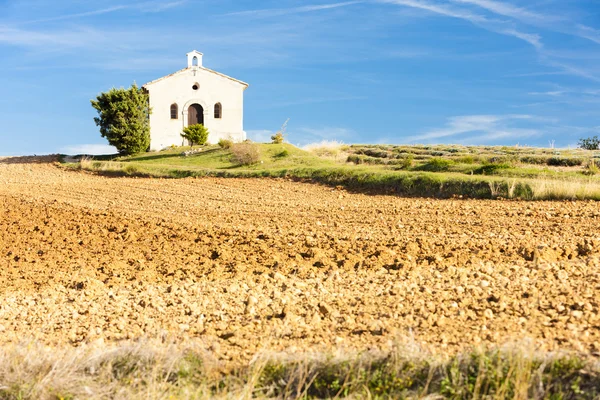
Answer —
194 59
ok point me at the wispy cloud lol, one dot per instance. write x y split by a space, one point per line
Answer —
482 21
146 7
275 12
487 128
90 149
509 10
492 15
76 15
553 93
259 135
153 6
23 37
328 133
314 100
304 135
547 21
589 33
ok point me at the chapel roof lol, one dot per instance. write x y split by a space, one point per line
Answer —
196 67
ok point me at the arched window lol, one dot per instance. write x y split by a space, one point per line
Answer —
174 111
195 61
218 111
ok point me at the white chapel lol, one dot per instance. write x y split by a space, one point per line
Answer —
195 95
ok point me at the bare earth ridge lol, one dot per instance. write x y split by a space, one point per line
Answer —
242 265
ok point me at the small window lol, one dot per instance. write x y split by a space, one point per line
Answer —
196 86
195 61
218 110
174 111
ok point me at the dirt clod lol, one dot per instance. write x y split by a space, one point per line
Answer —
240 264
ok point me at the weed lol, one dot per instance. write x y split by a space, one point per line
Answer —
225 143
491 169
437 164
282 154
592 167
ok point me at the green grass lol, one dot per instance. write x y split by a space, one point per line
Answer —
428 171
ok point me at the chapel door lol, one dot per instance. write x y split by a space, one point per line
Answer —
195 114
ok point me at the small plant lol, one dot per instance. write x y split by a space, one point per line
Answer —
245 153
279 137
491 169
437 164
225 143
407 161
283 154
591 143
195 134
592 167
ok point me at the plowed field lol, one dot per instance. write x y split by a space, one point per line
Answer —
242 265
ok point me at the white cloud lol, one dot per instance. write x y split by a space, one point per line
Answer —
275 12
76 15
313 100
508 10
259 135
482 21
589 33
487 128
304 135
554 93
148 7
327 133
90 149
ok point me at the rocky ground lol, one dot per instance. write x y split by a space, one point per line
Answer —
243 265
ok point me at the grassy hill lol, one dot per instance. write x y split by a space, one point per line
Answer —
431 171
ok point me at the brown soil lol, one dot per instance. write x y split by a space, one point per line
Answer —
247 264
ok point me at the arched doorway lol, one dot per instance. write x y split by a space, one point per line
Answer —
195 114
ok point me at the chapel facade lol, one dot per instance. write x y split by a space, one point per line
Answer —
195 95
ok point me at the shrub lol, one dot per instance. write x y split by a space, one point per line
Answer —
491 169
195 134
279 137
407 161
124 118
564 162
535 160
466 160
225 143
592 143
437 164
245 153
283 154
592 168
373 152
356 159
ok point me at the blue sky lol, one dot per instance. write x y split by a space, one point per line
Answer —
372 71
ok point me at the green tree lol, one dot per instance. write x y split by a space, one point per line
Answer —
195 134
591 143
124 118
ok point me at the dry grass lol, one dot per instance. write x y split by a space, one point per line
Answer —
185 371
543 189
245 153
331 149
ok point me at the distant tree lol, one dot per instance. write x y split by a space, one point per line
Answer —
124 118
195 134
591 143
